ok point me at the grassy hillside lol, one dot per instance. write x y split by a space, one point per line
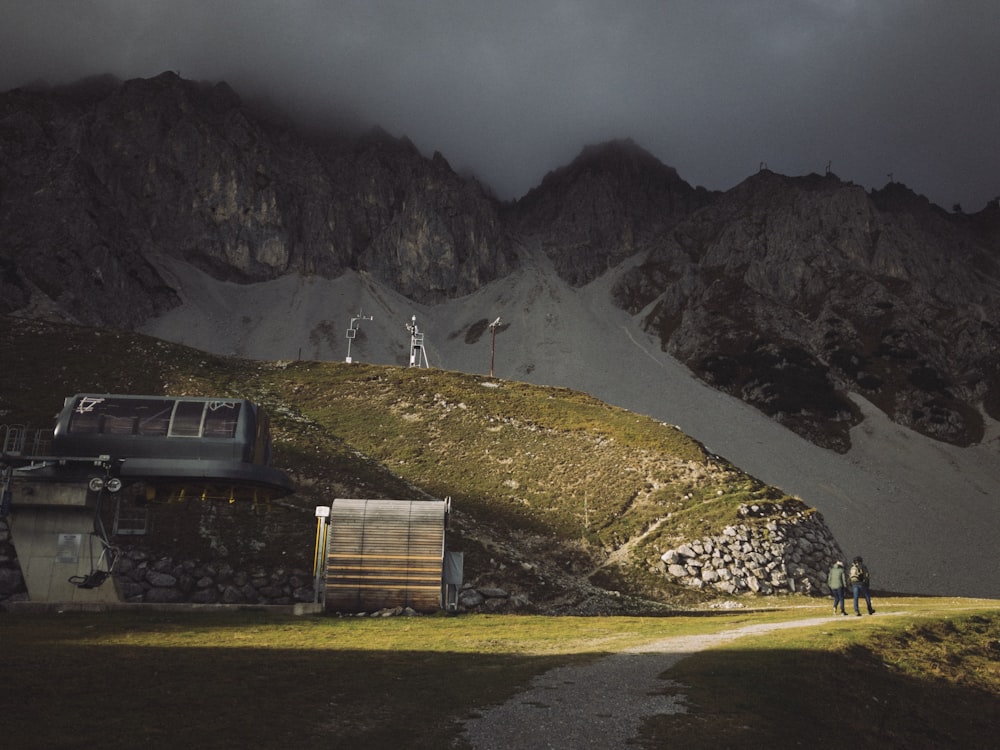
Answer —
922 674
551 488
547 484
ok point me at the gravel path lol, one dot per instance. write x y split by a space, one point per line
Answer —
601 704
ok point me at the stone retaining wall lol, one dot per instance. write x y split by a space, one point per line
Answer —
777 550
142 577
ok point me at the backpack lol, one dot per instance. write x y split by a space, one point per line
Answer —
858 573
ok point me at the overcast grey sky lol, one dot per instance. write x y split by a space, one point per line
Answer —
510 90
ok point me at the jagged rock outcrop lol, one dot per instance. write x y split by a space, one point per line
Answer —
426 232
602 208
99 179
787 292
66 249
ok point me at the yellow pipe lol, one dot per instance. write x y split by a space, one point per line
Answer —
316 553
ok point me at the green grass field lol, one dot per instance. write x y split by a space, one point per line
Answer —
922 673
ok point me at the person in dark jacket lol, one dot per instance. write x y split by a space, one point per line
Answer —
837 581
859 578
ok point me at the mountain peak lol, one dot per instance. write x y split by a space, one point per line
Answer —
596 211
618 150
614 160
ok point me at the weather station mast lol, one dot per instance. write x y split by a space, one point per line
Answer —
418 357
493 342
352 332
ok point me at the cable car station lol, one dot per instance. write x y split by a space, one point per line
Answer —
69 491
116 453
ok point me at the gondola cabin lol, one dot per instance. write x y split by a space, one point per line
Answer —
162 426
173 440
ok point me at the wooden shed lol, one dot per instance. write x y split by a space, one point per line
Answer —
385 553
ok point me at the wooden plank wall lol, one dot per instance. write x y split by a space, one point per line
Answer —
384 553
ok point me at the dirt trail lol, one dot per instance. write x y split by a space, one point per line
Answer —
601 704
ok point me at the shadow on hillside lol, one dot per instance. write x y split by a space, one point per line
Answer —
238 695
221 681
791 698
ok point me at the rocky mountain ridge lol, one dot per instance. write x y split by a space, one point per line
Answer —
612 202
791 292
787 292
95 185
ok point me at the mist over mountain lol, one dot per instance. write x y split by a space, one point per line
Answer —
174 207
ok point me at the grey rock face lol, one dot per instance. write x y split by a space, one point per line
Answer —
786 292
96 186
607 205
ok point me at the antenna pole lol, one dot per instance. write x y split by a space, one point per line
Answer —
493 342
352 331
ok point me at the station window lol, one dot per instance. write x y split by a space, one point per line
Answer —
187 419
85 421
221 418
154 417
109 416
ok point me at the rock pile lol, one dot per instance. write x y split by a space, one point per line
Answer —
777 550
488 598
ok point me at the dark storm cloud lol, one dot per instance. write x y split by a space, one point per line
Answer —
509 90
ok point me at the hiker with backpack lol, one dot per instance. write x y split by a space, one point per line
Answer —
859 578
